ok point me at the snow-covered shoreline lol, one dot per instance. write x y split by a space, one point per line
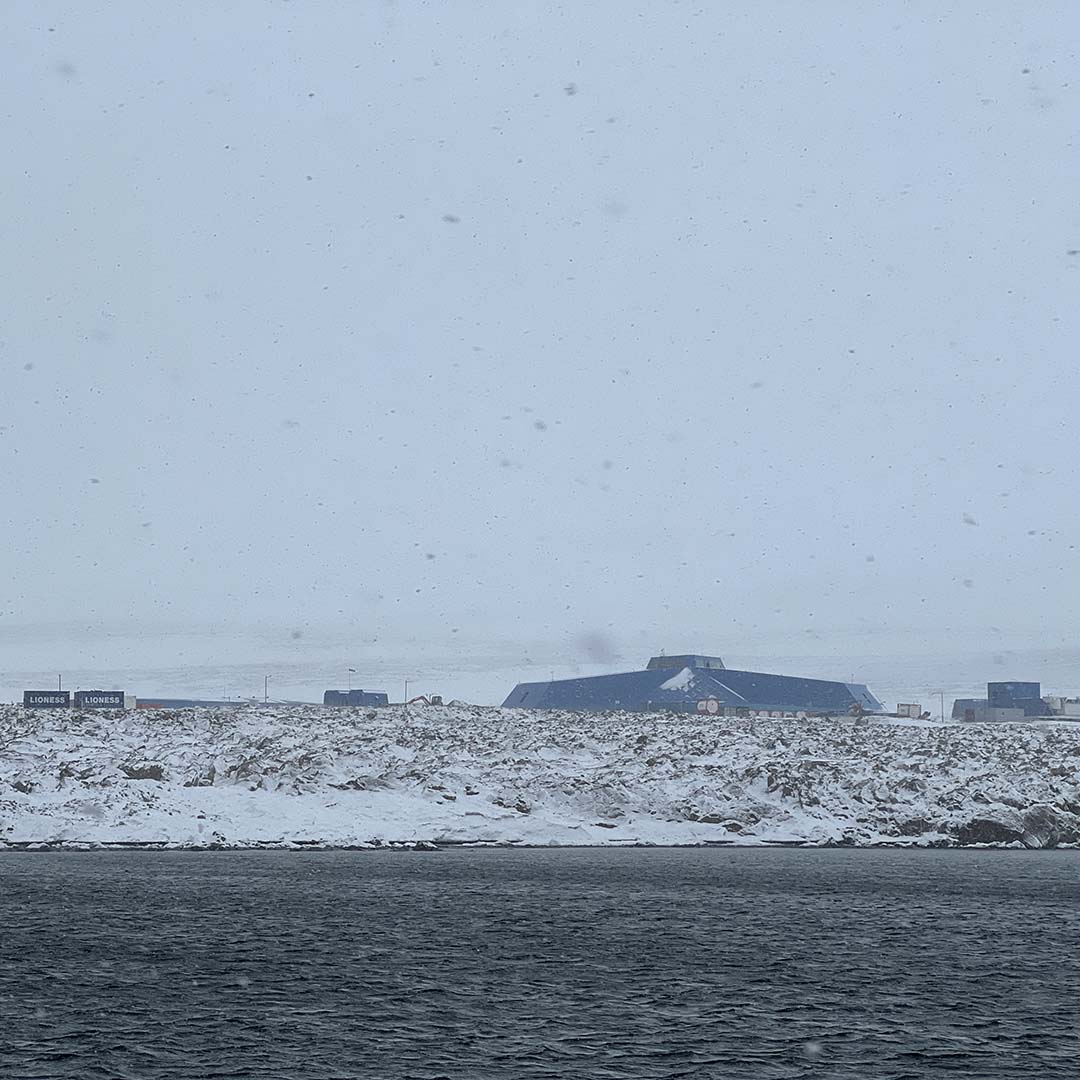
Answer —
311 777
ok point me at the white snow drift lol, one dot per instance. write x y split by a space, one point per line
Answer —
283 776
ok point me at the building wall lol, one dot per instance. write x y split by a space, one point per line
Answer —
690 660
1026 696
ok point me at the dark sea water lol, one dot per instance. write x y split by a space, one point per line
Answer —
874 965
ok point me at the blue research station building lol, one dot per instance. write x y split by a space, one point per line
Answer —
694 683
1012 701
355 697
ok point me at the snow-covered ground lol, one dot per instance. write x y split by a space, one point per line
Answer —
308 775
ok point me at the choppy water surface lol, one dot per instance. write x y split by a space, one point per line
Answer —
529 964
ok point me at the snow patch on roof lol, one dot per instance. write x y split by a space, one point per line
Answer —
681 681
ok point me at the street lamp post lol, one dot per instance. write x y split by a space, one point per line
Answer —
266 689
352 672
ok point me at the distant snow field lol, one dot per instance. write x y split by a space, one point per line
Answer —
308 776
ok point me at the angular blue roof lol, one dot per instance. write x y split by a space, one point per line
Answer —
682 688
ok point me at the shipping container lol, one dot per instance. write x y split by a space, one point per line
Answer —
99 699
46 699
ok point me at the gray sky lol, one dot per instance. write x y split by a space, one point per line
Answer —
569 331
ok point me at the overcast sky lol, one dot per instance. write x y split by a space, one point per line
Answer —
603 326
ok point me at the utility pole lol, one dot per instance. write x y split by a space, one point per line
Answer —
266 689
406 698
59 682
942 693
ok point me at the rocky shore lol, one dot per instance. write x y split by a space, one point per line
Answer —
422 777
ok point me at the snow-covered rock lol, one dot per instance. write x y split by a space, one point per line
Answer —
308 775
